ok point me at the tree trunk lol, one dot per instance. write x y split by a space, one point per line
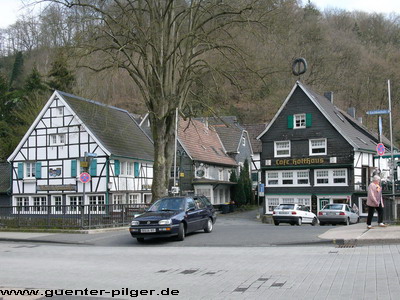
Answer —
164 138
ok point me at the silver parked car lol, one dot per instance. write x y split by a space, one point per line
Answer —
338 213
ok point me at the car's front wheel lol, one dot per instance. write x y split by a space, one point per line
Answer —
209 226
181 232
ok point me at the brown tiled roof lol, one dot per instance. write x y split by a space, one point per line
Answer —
202 143
228 129
254 131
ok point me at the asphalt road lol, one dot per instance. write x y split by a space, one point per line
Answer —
231 230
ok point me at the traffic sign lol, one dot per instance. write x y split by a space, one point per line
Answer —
378 112
261 189
380 149
84 177
88 154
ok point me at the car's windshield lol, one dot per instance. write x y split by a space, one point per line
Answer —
168 204
333 206
285 206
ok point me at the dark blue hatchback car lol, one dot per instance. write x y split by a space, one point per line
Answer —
174 216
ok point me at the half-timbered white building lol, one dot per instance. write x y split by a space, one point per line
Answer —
49 159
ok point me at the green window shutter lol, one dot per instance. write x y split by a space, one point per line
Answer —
38 170
20 170
136 166
73 168
308 120
290 121
93 167
117 165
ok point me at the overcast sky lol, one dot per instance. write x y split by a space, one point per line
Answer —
10 9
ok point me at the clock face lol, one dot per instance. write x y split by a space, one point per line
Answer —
200 173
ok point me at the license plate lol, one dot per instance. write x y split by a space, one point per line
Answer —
148 230
284 213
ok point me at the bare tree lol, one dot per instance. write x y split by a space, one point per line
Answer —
162 44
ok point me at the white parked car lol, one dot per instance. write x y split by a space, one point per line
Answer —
293 214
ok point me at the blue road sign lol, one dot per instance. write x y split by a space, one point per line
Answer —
378 112
88 154
261 189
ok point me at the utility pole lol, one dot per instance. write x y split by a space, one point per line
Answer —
392 154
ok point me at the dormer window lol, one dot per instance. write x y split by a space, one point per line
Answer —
299 121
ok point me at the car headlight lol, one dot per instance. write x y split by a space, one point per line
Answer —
135 223
165 222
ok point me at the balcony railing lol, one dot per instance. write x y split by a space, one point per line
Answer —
386 187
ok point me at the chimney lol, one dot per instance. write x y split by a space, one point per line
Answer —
329 96
360 119
352 112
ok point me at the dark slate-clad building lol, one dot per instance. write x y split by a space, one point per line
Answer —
314 153
203 165
5 184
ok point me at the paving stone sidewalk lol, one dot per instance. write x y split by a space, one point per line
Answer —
365 272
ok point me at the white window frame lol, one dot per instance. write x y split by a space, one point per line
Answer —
95 200
129 169
123 168
134 201
311 147
118 199
287 176
301 118
39 203
277 176
221 175
274 200
23 204
282 149
74 205
57 139
30 170
57 208
271 203
331 177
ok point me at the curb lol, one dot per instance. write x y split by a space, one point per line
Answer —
78 231
41 241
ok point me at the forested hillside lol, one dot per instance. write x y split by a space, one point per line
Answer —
352 54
